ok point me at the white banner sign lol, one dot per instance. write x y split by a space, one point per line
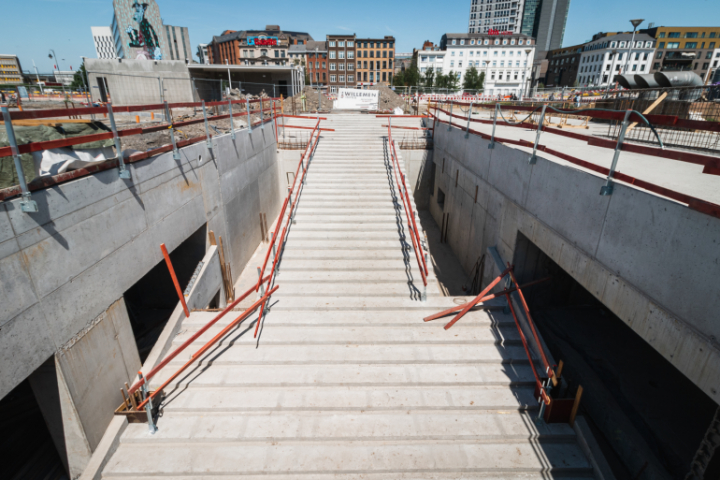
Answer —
353 99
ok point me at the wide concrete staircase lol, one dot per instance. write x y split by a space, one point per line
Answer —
346 381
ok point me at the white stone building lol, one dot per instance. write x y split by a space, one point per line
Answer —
615 53
104 42
501 15
430 57
506 59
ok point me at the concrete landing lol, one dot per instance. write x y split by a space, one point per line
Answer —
346 380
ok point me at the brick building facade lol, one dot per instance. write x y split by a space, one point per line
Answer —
255 47
375 60
341 62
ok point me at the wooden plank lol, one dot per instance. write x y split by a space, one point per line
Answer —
576 405
648 110
212 238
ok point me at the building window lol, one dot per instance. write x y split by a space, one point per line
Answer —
351 66
674 35
351 54
341 78
332 44
332 78
453 42
671 45
384 77
661 35
350 44
656 66
341 66
341 44
341 55
691 34
332 55
351 78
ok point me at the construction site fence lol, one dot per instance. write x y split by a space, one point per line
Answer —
711 164
256 112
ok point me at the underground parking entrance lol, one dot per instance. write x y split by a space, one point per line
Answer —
152 299
648 418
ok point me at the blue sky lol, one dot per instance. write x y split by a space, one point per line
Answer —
31 27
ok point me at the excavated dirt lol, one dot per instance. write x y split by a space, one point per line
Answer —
294 106
388 100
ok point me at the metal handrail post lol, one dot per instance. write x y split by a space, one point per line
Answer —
492 137
249 118
27 204
608 188
450 117
148 406
207 129
467 129
124 172
533 158
176 152
232 124
262 114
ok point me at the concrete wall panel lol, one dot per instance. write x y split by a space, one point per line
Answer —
651 261
26 342
6 231
567 203
664 248
16 288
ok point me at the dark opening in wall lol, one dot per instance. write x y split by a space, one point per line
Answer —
28 450
441 199
640 407
151 301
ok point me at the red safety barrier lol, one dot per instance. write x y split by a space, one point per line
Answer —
209 344
694 203
174 279
409 213
187 343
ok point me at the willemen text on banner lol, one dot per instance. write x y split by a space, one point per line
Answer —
353 99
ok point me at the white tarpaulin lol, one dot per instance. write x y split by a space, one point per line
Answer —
353 99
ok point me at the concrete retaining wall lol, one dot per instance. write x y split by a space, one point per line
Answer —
651 261
64 270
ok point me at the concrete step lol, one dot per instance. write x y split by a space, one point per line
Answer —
343 303
354 234
445 355
342 254
298 263
422 333
241 375
480 426
282 458
348 244
412 317
351 398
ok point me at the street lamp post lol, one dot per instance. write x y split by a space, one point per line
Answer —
612 70
635 23
57 64
527 64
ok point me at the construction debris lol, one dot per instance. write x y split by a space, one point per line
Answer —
388 100
294 105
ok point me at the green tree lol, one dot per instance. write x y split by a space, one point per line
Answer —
429 77
412 74
399 79
78 82
472 79
453 82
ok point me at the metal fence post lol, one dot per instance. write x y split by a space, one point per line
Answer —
467 129
450 119
124 172
608 188
232 125
176 152
533 158
27 204
249 119
207 129
160 87
262 114
148 406
492 137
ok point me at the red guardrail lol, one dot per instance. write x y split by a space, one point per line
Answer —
407 206
694 203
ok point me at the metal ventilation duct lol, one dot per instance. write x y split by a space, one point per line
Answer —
626 81
646 81
678 79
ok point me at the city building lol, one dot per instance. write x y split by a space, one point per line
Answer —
431 56
375 60
64 77
137 30
563 64
316 58
501 16
608 55
254 47
685 48
202 53
505 59
178 41
10 69
545 22
104 42
542 20
341 62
